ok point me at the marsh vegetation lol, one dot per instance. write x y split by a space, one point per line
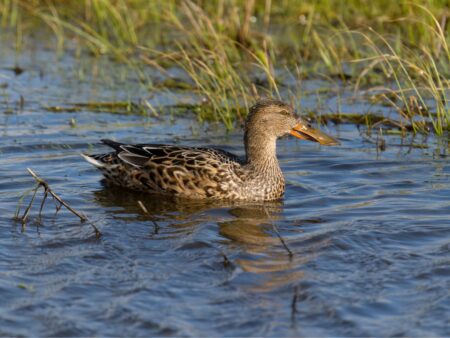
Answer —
388 53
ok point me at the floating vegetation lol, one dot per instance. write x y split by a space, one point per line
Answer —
205 111
109 107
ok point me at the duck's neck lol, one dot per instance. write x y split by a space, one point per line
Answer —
261 153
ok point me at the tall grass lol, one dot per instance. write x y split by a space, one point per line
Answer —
224 45
419 74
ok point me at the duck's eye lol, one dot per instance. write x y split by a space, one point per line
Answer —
285 112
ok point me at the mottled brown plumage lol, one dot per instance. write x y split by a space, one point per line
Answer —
210 173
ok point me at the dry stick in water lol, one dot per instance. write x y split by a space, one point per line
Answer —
226 261
275 229
27 210
144 209
47 191
294 304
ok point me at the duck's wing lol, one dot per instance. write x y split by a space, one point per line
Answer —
188 171
140 155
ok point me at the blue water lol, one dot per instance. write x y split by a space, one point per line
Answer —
369 230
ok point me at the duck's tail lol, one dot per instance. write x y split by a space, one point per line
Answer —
108 160
95 160
113 144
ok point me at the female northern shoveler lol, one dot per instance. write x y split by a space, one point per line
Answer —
211 173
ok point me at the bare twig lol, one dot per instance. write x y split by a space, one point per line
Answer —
144 209
19 206
42 203
294 301
294 305
226 261
27 210
48 191
275 229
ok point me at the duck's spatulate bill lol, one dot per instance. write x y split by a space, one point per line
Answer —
304 131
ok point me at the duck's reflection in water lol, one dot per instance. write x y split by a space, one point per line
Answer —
248 227
252 228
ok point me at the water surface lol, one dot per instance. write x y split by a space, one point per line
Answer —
369 230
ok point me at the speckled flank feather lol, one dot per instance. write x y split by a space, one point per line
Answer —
204 172
184 171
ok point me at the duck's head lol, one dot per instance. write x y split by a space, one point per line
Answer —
273 119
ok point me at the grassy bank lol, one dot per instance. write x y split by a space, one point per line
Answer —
396 53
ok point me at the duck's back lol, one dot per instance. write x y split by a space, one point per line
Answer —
182 171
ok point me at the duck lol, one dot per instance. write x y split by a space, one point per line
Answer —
210 173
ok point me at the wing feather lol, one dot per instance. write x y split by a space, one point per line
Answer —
137 161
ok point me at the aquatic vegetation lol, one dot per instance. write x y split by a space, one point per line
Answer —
127 107
235 50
